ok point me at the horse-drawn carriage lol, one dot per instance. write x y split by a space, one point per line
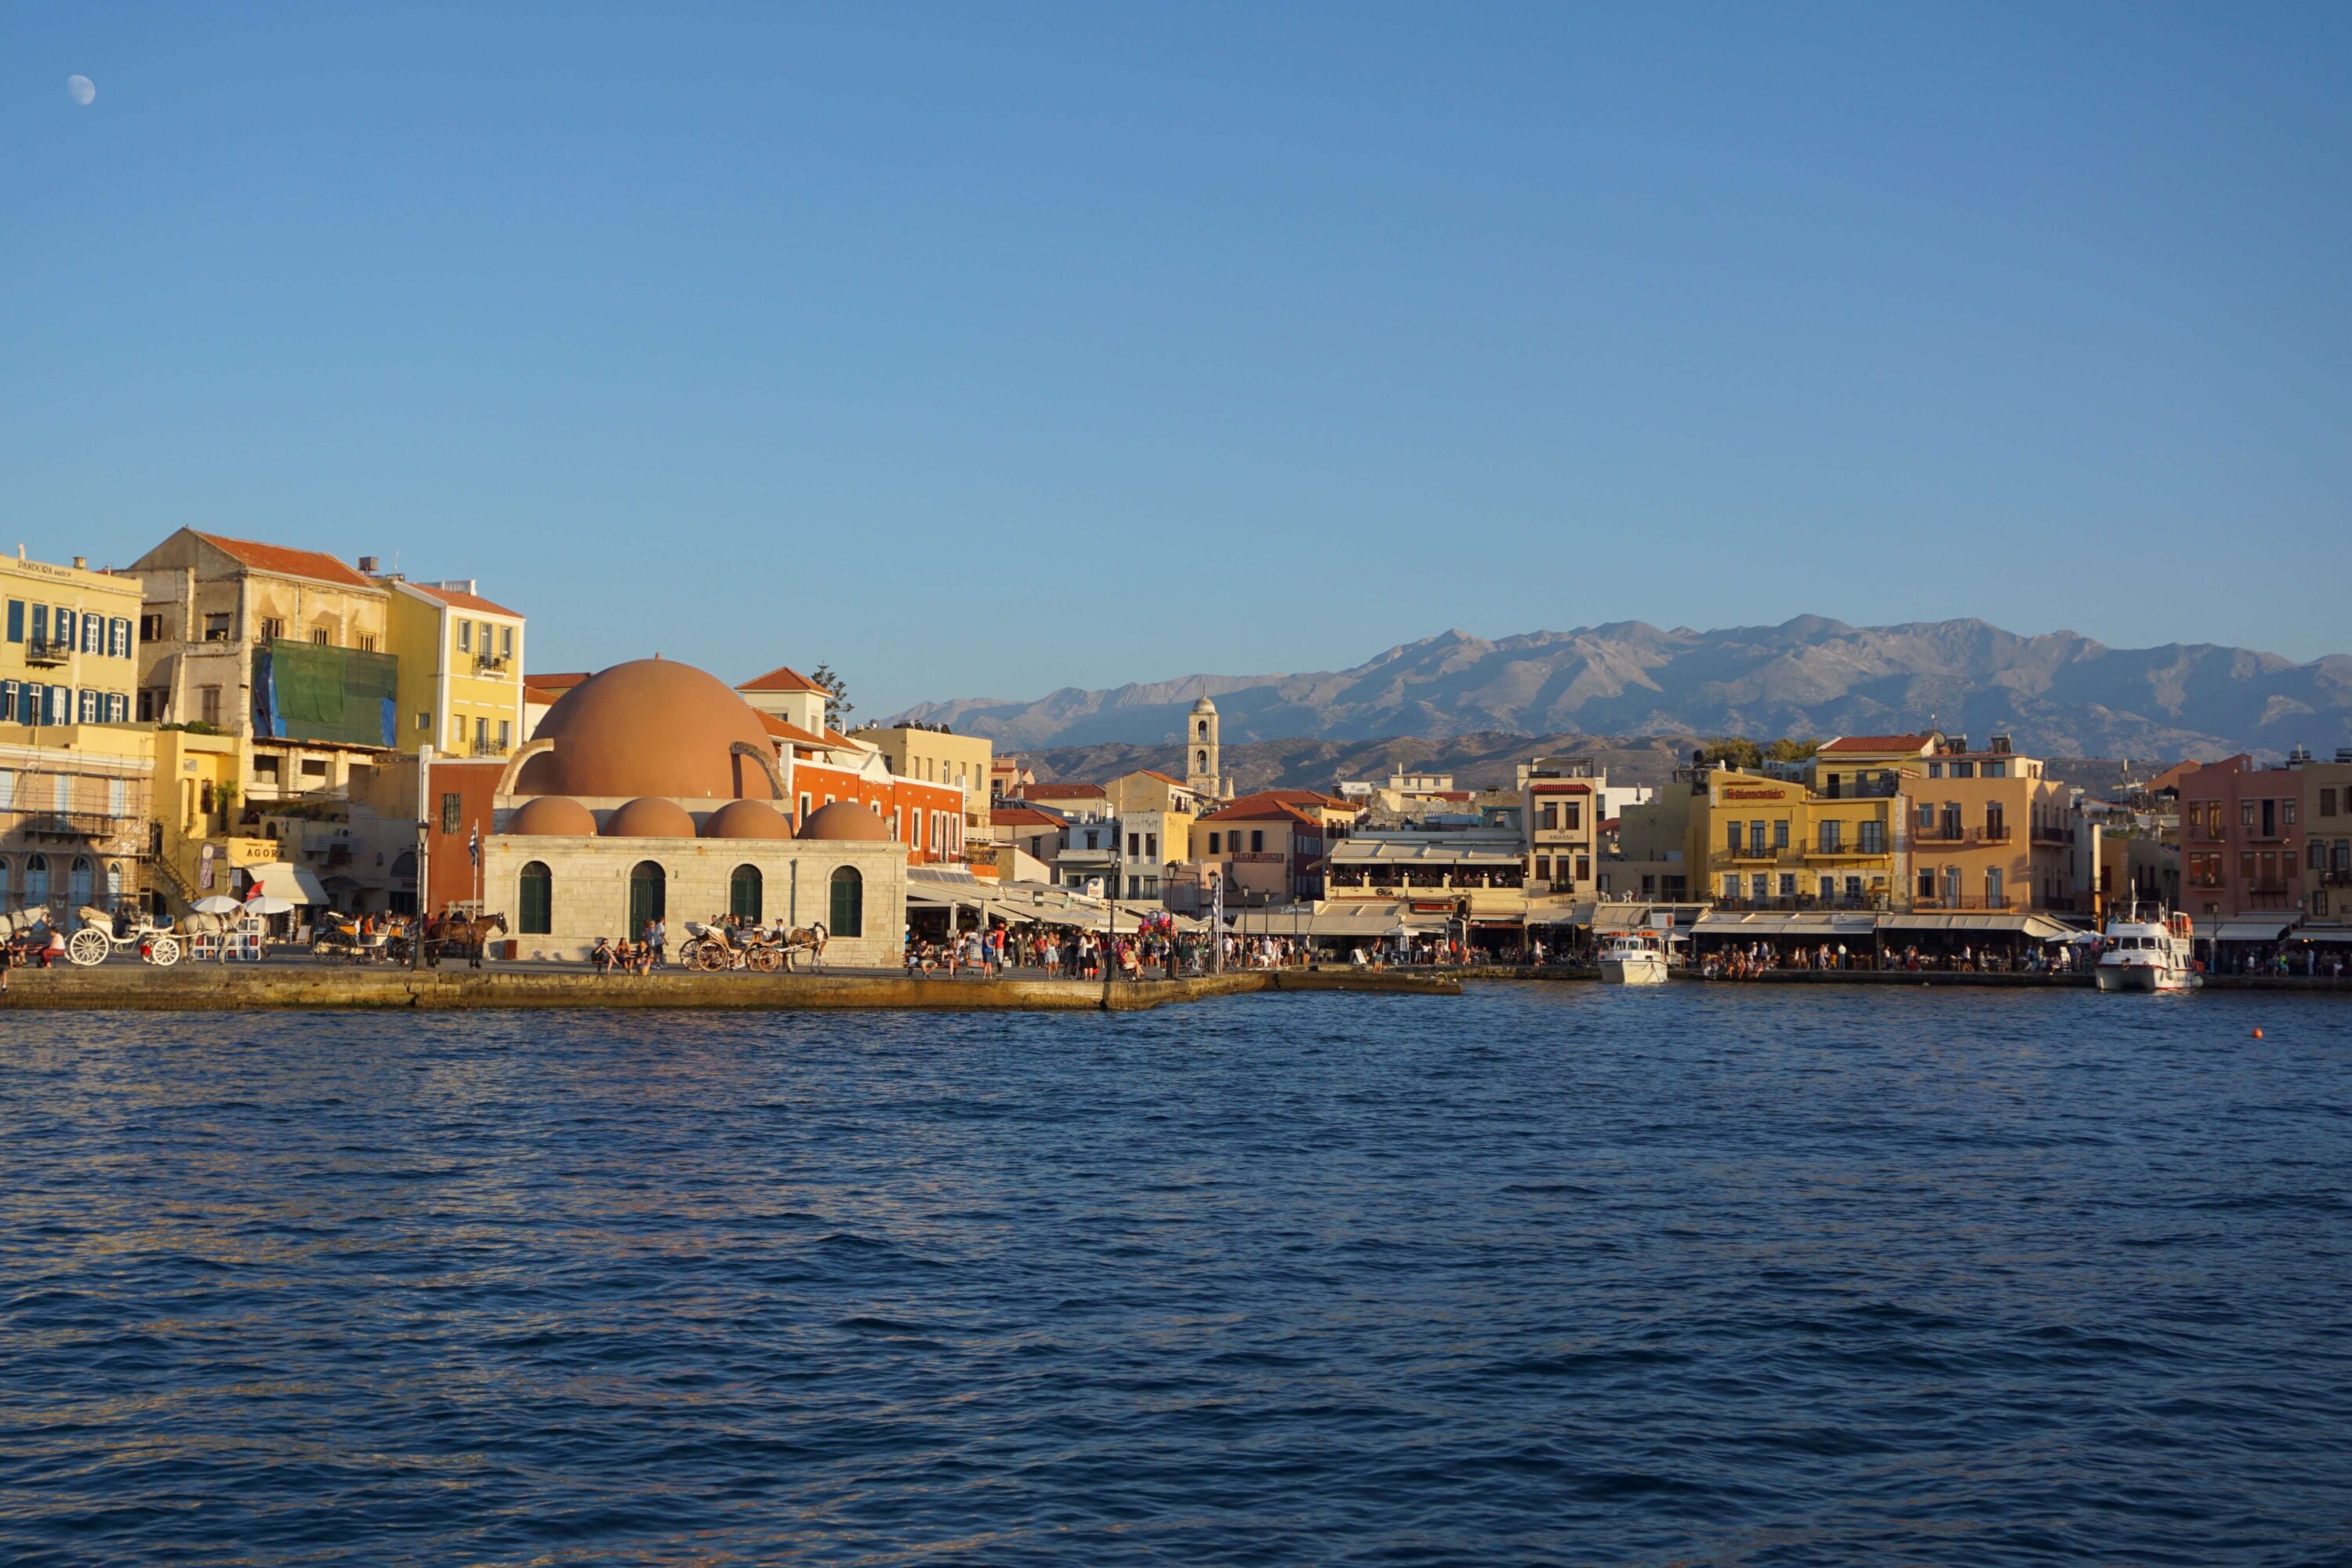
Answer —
712 948
459 935
339 936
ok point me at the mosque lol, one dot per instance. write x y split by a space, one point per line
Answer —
654 789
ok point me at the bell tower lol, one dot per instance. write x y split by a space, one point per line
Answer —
1200 774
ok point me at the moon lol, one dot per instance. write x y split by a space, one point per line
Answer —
80 88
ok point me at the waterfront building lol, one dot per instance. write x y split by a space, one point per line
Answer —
71 656
285 648
1757 842
1643 857
1561 804
652 789
821 767
1020 832
1984 831
74 801
2241 849
460 659
2327 842
1267 847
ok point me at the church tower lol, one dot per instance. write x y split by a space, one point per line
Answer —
1200 750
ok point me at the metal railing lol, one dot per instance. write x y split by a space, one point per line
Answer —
1953 832
48 650
2053 833
1801 901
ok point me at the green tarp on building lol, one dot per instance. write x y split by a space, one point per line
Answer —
309 691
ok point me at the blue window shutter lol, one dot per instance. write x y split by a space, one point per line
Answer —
15 620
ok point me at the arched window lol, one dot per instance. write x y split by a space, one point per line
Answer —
1203 766
1204 728
79 882
743 894
114 884
37 881
848 904
535 900
648 896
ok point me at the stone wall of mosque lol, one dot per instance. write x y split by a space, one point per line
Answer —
591 883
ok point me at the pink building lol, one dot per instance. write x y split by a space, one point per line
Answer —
2241 846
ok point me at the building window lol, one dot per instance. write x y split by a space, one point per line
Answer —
648 897
146 706
848 903
1571 816
453 813
2327 802
151 627
465 637
1781 834
1546 815
1832 836
1216 843
367 642
37 881
535 898
506 734
506 642
271 626
424 722
1134 845
2286 813
15 620
1788 884
319 635
1258 840
1993 899
314 769
1874 837
2245 814
744 889
208 707
1543 867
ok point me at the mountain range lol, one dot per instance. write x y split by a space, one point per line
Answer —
2057 694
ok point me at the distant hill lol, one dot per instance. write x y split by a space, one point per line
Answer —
2058 694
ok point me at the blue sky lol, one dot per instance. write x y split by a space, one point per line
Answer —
986 349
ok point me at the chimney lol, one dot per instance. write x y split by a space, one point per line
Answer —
368 564
81 562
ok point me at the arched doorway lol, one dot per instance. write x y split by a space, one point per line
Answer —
648 896
37 881
80 883
114 884
744 893
848 904
535 900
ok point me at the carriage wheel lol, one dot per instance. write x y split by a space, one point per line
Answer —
321 948
87 946
711 957
163 951
766 960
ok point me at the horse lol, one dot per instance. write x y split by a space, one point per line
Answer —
470 934
808 939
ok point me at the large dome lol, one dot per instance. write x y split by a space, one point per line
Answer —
845 819
650 727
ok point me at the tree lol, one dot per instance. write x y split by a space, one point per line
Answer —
1734 751
837 706
1787 750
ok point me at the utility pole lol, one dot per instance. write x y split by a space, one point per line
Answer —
424 854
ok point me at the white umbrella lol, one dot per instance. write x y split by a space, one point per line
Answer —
216 905
266 905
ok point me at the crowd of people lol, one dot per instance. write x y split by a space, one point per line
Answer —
1758 958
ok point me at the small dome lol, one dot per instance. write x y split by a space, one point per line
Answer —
648 818
845 819
746 819
553 817
1205 706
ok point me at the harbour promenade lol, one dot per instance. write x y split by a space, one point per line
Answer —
308 986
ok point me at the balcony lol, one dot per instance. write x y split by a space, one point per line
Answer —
1952 835
1750 854
1838 849
2053 833
490 749
47 651
489 664
1802 902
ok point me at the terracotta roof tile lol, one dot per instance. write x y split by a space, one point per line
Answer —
315 564
793 732
563 680
464 601
1065 792
1024 816
783 678
1877 743
1263 811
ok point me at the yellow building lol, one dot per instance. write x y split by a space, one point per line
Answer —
940 757
71 653
1760 842
461 686
73 815
1982 831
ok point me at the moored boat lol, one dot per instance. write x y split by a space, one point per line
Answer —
1634 958
2147 949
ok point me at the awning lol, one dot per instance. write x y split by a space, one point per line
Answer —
2038 928
2251 931
1730 924
2307 934
295 884
1367 921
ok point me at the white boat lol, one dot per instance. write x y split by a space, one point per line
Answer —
1634 958
2148 950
